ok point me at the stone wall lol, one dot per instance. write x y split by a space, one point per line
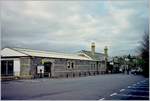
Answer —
25 66
77 68
35 61
68 67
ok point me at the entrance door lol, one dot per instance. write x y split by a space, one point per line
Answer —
7 67
47 69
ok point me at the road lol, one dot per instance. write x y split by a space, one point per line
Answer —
79 88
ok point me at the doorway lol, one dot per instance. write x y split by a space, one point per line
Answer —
7 68
47 69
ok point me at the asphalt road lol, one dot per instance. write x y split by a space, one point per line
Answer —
111 86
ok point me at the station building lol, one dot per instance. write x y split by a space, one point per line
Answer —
19 62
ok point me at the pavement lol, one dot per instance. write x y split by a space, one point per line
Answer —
100 87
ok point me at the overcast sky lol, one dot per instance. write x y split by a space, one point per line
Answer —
69 26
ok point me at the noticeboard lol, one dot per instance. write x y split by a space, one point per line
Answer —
40 69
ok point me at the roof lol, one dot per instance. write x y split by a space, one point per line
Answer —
9 52
96 56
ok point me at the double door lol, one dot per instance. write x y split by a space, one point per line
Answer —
7 67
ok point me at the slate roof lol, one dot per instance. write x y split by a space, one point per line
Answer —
96 56
10 52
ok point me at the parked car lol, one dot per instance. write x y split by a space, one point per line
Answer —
136 71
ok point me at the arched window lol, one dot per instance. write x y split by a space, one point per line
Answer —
72 65
68 64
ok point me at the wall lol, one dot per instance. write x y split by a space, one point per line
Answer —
38 61
80 68
60 67
25 64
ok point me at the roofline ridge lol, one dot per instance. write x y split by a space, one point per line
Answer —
90 51
42 51
20 52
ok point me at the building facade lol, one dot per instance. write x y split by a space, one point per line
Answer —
32 63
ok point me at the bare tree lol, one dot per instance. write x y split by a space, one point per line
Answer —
144 49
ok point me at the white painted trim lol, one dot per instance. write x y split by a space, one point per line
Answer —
17 67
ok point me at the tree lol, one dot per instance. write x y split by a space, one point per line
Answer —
144 49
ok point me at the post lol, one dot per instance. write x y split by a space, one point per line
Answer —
106 57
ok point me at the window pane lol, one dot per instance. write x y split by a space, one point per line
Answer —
3 67
72 65
10 68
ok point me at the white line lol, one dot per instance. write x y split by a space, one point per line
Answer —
113 94
129 86
138 83
137 90
143 81
138 87
102 99
141 86
134 84
133 95
144 84
122 90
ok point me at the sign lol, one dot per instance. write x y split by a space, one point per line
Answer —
40 69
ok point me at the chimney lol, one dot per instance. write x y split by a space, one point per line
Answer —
106 57
106 52
93 48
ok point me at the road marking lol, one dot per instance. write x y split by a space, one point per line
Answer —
137 87
113 94
102 99
138 83
143 81
122 90
142 86
129 86
134 84
138 90
132 95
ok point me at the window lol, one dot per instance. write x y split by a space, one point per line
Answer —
72 64
3 67
10 68
68 64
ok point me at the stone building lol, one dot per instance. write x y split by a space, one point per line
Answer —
33 63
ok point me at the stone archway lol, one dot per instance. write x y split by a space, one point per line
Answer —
51 61
47 69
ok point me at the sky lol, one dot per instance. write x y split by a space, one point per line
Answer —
71 26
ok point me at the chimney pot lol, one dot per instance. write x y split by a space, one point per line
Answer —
93 48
